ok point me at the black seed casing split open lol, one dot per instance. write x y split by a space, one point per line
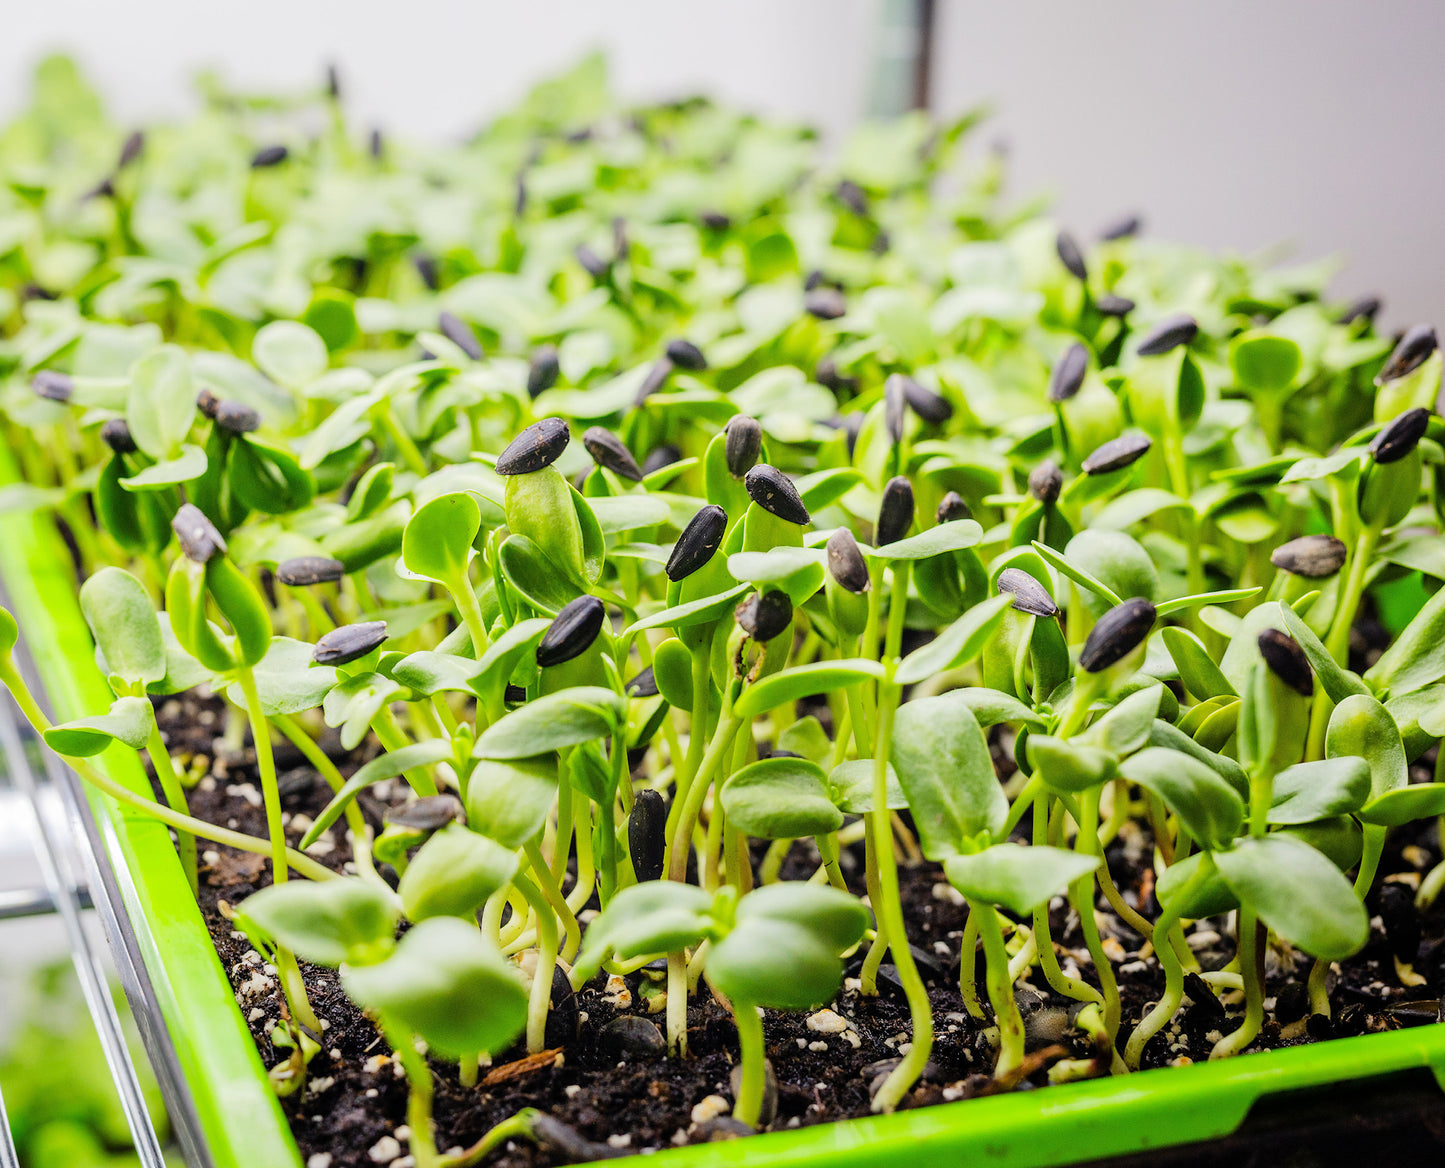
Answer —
1118 633
697 543
539 445
349 642
200 541
572 631
304 571
1029 595
1287 661
744 444
1116 454
846 563
774 492
610 452
895 511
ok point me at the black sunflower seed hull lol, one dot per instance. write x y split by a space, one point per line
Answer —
698 542
743 445
643 685
426 268
895 511
1287 661
200 541
846 563
647 835
543 370
429 813
774 492
131 149
1111 305
951 508
1029 595
1118 633
1070 256
349 642
685 355
1363 308
53 385
1046 481
460 334
932 407
208 403
1169 333
572 631
1311 556
826 374
304 571
894 403
1400 436
269 156
825 303
610 452
659 457
714 220
592 263
116 434
656 378
1116 454
764 616
852 196
539 445
1413 350
236 417
1068 376
1124 227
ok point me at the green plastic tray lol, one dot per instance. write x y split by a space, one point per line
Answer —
244 1124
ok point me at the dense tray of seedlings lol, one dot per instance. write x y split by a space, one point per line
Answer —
669 547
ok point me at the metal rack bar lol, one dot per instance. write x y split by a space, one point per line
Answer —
88 965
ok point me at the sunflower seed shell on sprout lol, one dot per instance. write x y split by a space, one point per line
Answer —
714 220
539 445
53 385
656 378
460 334
349 642
1118 633
931 407
592 263
236 417
774 492
659 457
894 403
208 403
200 541
305 571
1070 255
744 444
543 370
1365 307
1046 481
610 452
647 834
1067 377
1110 304
1124 227
1169 333
1287 661
131 149
1413 350
765 615
895 511
852 196
826 303
1029 595
826 374
426 268
685 355
572 631
1400 436
952 508
429 813
269 156
846 563
1311 556
116 434
698 542
1116 454
643 685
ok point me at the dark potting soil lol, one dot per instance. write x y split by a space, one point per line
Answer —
613 1094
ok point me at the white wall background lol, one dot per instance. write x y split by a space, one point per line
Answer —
1235 124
